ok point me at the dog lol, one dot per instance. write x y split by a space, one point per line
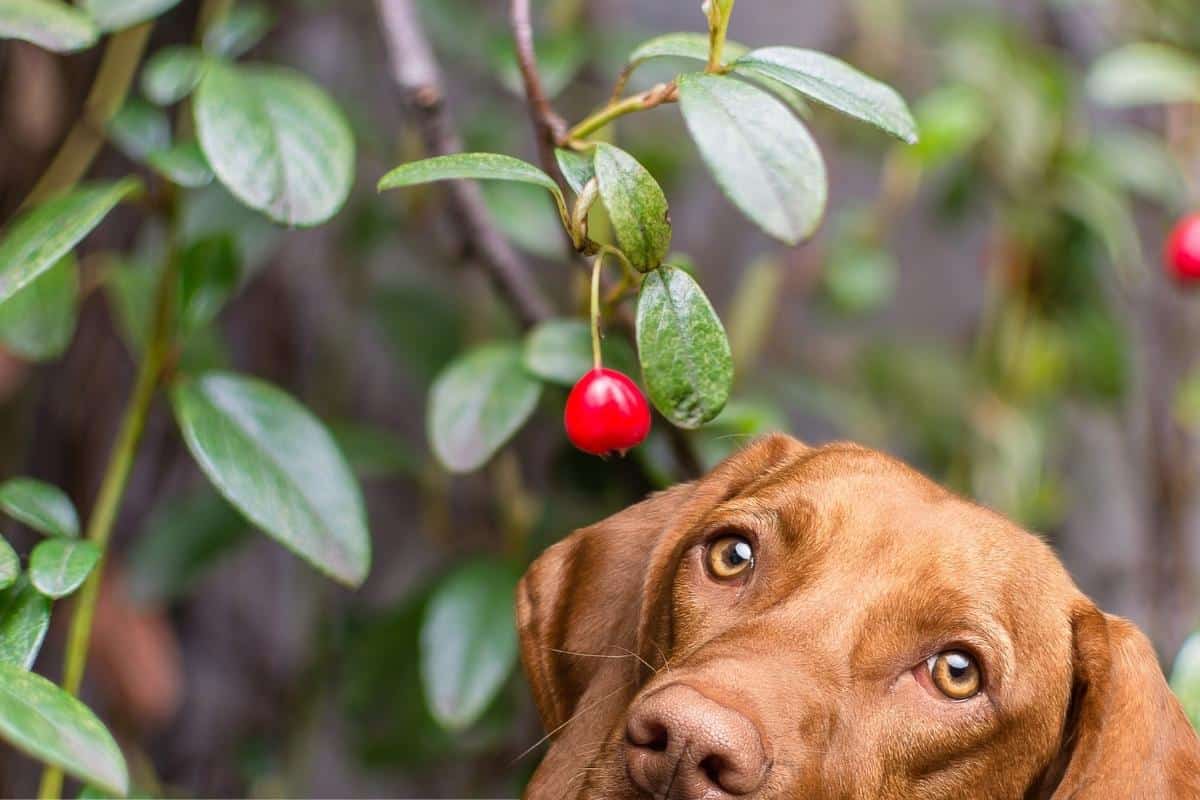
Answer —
826 623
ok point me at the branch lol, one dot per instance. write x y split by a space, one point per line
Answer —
549 128
418 77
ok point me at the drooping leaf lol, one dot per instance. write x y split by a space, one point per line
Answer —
239 30
40 505
208 275
50 24
477 403
686 360
37 240
473 166
275 462
576 168
636 206
468 642
1145 73
115 15
1185 678
139 129
37 322
184 536
276 141
183 163
761 156
24 619
59 566
835 83
172 73
10 564
560 351
44 722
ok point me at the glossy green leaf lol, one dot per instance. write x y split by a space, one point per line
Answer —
835 83
208 275
37 322
10 564
686 360
115 15
576 168
472 166
276 141
183 163
44 722
477 403
636 206
39 505
468 642
239 30
183 538
560 351
59 566
139 129
51 24
275 462
24 620
1185 678
1145 73
37 240
172 74
761 156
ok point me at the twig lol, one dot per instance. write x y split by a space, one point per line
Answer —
642 101
417 75
548 127
121 57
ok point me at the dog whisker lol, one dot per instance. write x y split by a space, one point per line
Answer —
571 719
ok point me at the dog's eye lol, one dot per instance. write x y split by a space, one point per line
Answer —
955 674
729 556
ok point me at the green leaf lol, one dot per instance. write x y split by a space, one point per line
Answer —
115 15
172 74
37 322
183 163
276 141
239 30
275 462
468 642
835 83
184 536
560 351
576 168
680 45
10 564
375 452
685 355
24 620
208 275
37 240
139 129
49 24
472 166
952 119
1145 74
59 566
477 403
636 206
44 722
761 156
39 505
1185 678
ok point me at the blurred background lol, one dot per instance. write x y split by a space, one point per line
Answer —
990 305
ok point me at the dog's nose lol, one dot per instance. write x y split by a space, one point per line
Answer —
681 745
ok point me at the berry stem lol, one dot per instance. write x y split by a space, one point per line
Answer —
597 362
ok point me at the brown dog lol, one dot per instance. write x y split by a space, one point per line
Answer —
827 623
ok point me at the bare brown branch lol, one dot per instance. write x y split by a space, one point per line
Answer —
548 127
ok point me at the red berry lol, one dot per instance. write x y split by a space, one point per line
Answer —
1182 251
606 413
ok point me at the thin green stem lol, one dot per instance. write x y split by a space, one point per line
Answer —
597 360
655 96
719 12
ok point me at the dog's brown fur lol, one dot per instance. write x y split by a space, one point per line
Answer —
863 569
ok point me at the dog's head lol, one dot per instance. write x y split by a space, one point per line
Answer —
826 623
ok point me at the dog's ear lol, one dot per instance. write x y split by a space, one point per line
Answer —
1126 734
583 606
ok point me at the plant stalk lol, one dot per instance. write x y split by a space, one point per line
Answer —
597 360
719 12
655 96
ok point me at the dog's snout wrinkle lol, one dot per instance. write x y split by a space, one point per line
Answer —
681 745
